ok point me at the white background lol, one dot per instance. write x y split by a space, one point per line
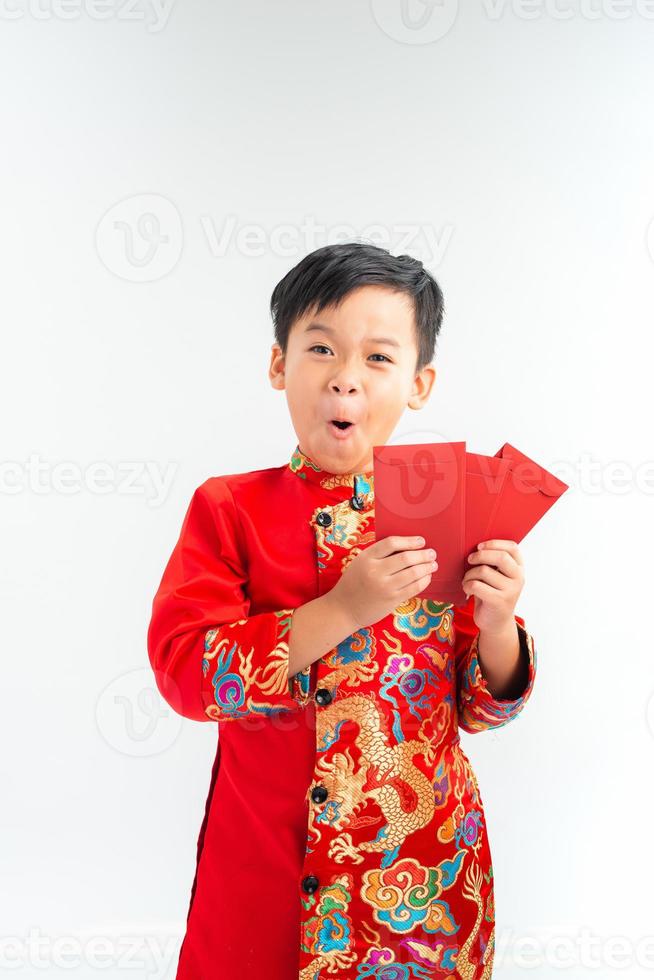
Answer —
510 147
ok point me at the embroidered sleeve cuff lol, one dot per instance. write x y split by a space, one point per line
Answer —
477 708
245 668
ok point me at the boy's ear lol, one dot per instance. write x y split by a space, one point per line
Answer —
422 386
276 369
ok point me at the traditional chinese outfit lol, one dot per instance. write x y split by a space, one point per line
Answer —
344 833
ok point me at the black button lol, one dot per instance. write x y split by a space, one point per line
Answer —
357 502
319 794
324 519
323 696
310 883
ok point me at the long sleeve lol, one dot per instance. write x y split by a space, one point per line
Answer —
211 660
477 709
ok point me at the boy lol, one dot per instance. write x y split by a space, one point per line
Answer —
344 831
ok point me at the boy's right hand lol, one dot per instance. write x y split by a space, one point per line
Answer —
382 576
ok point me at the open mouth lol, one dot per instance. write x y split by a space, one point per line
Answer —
341 428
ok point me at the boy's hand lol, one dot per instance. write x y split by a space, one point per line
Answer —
495 578
383 576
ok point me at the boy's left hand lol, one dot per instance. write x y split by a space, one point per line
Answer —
495 578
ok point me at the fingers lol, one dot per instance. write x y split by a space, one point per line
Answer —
499 544
413 580
508 578
482 590
485 574
409 559
509 562
396 542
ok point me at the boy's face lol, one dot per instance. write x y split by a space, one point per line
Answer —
354 362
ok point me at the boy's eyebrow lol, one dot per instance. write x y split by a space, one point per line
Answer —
375 340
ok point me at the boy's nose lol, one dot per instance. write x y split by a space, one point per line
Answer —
345 382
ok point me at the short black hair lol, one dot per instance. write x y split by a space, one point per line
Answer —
325 276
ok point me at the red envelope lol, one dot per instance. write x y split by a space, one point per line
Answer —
528 492
456 499
485 479
420 490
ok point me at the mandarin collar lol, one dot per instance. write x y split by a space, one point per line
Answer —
309 470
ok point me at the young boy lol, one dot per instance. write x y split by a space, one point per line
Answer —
344 834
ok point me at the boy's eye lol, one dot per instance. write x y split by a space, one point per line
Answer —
324 347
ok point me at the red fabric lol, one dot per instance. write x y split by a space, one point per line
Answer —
397 850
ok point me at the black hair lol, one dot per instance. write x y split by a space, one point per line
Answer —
325 276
